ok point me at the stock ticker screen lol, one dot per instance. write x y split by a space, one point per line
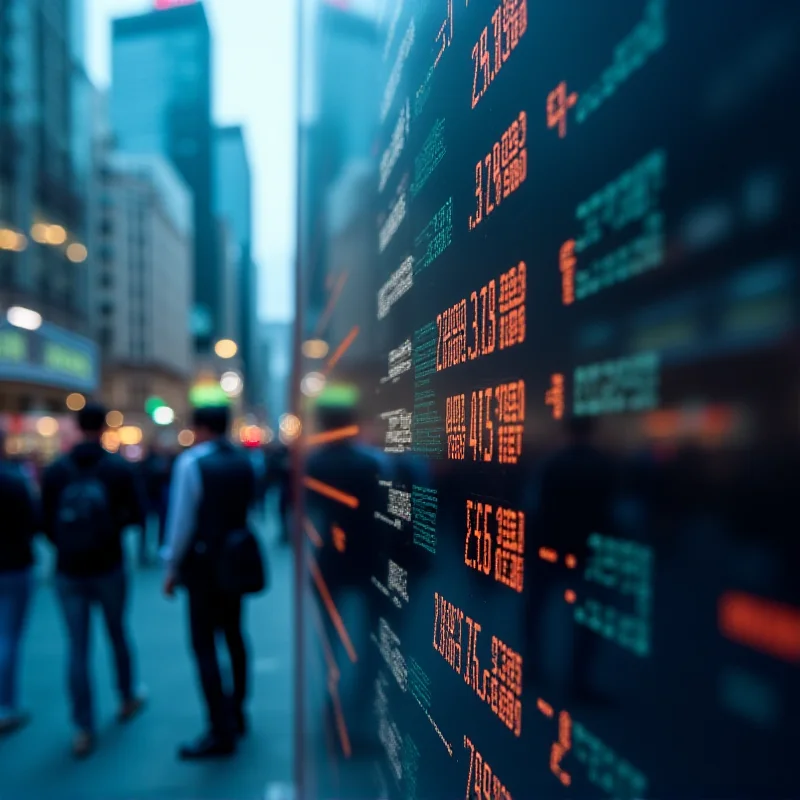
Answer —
551 484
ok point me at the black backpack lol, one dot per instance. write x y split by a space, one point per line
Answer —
84 522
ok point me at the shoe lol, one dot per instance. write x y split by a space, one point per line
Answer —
82 744
240 722
209 746
130 708
13 722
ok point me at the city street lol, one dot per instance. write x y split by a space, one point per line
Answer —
137 761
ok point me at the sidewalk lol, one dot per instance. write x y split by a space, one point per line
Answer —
137 762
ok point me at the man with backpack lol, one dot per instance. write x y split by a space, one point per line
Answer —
211 551
89 497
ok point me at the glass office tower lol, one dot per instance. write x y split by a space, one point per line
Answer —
233 193
161 103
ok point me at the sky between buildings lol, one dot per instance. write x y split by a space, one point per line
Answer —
254 85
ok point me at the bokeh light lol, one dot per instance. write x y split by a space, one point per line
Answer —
114 419
47 426
76 401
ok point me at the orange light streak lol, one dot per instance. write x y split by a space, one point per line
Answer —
336 618
773 628
330 492
341 350
333 685
569 596
548 554
333 436
311 531
544 707
339 538
571 561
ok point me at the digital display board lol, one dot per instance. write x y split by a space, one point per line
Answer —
551 485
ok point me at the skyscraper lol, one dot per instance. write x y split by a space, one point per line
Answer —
144 287
44 169
233 191
161 103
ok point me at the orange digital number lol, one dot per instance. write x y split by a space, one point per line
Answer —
561 748
472 672
485 785
455 426
506 166
438 342
508 23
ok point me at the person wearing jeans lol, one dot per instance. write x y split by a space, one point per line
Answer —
19 515
89 568
77 597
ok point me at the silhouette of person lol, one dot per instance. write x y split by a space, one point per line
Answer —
574 498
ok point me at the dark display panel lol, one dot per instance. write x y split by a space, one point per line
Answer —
550 523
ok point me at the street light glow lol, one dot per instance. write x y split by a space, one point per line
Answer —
25 318
56 234
47 427
76 401
130 434
39 232
163 415
312 384
226 348
231 384
315 348
8 239
290 428
77 253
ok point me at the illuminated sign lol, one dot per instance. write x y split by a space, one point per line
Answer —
545 495
208 394
163 5
48 356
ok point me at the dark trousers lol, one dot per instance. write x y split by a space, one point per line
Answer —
15 594
212 612
77 596
284 509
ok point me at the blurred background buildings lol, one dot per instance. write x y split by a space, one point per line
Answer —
127 260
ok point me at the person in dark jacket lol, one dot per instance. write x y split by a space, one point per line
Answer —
156 469
89 497
20 519
214 486
279 476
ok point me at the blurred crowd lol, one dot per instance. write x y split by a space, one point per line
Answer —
82 506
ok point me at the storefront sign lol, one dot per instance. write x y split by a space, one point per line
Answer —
48 356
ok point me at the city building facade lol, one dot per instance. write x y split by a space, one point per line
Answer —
276 356
233 193
45 354
142 295
161 103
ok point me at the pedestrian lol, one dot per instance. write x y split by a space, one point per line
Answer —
89 498
279 475
156 471
213 488
20 520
